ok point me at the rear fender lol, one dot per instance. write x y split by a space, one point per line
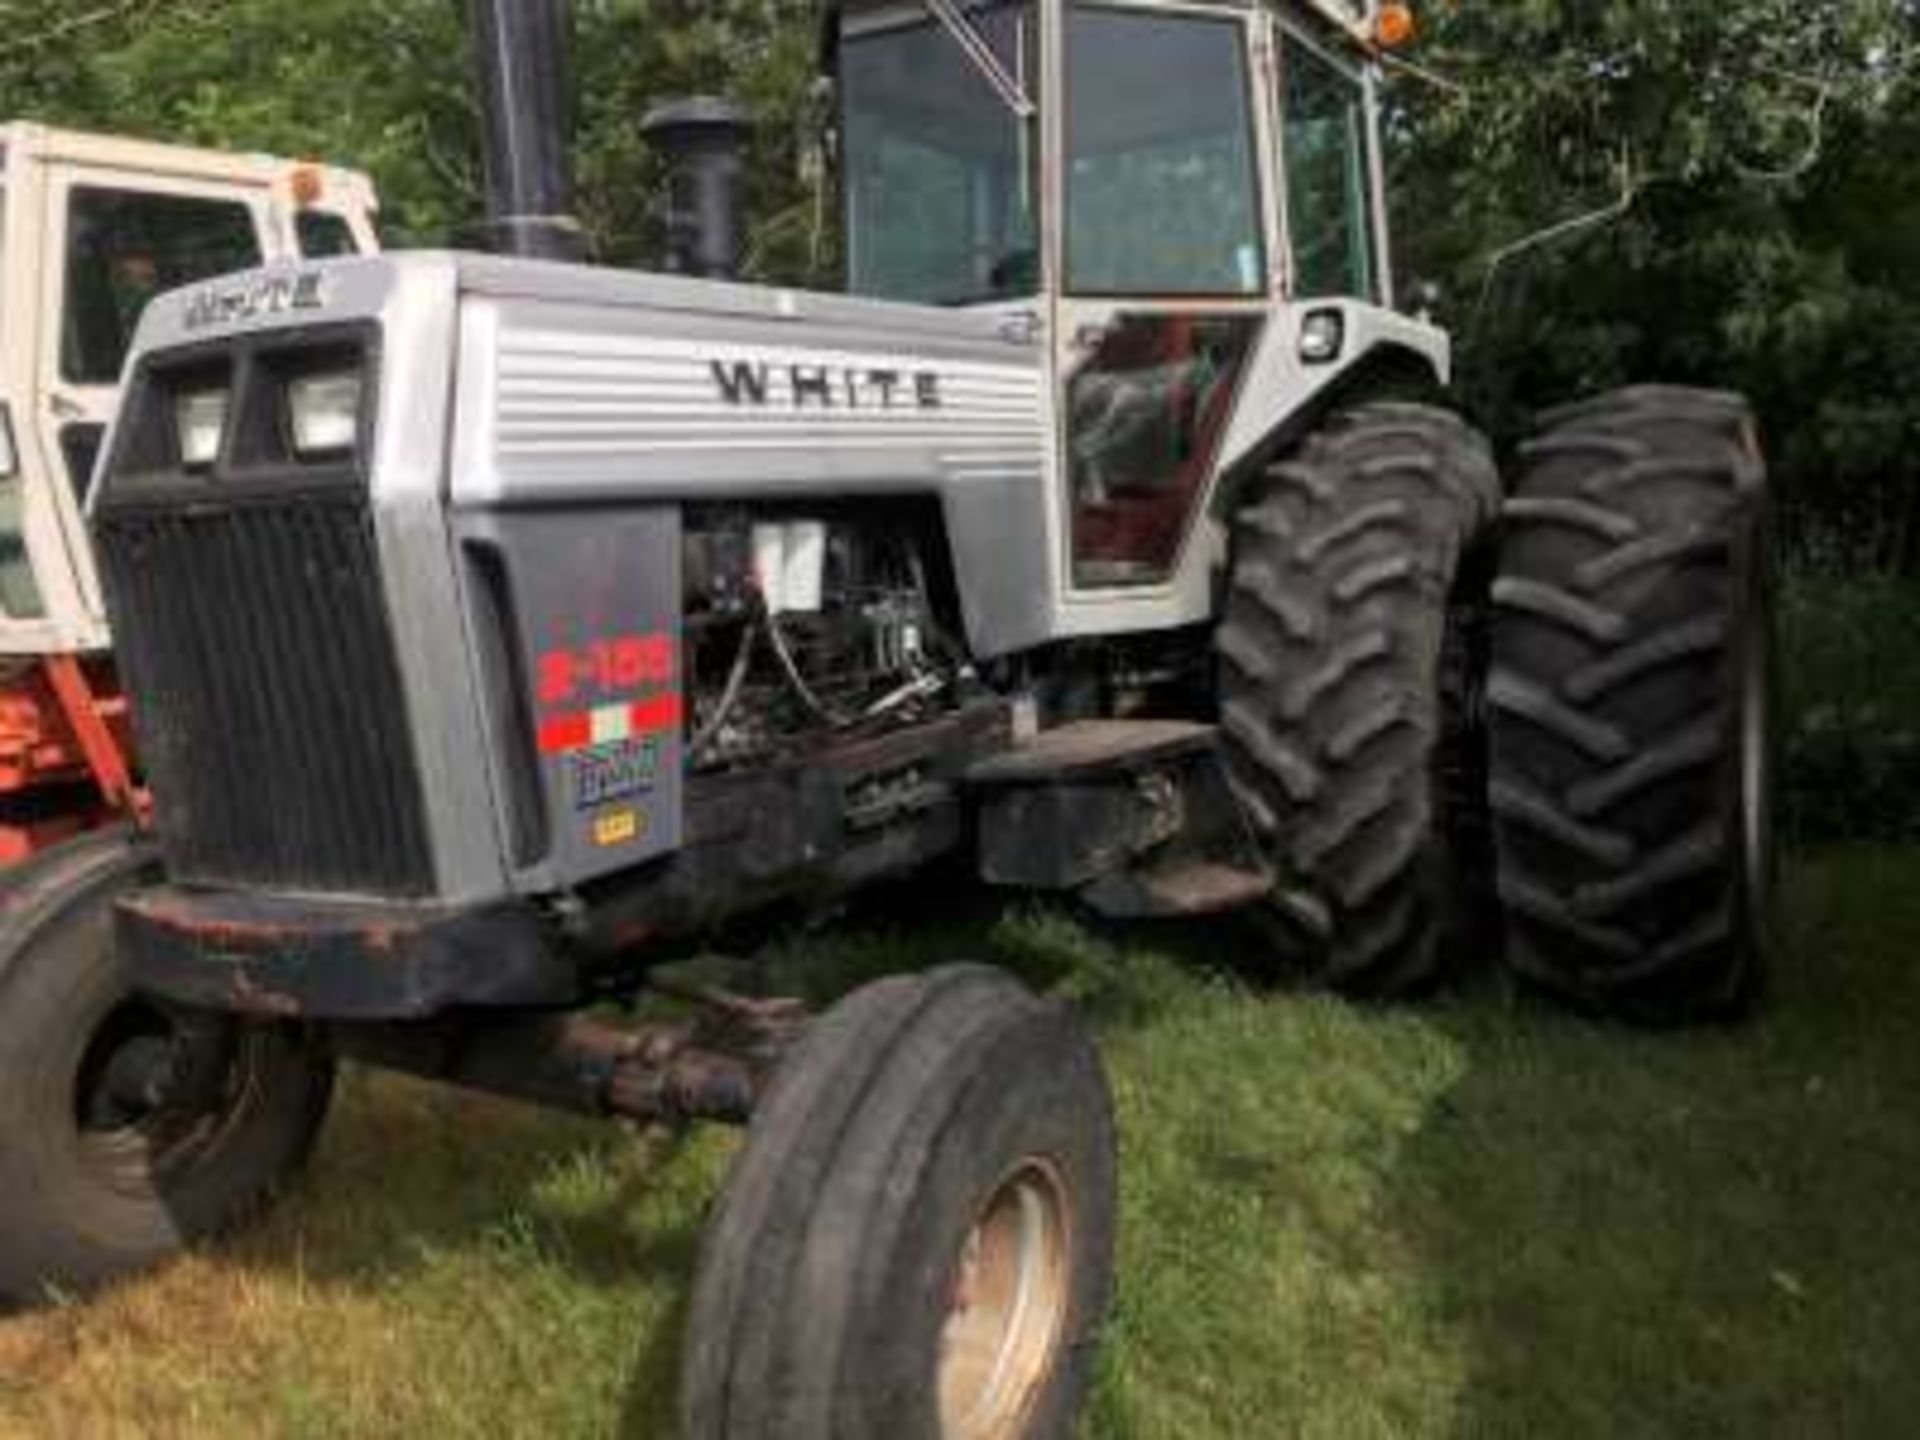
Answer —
1284 397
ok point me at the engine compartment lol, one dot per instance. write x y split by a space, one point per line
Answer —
808 626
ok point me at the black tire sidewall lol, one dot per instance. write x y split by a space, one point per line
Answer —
1022 1105
65 1220
828 1273
1416 919
1673 929
1754 759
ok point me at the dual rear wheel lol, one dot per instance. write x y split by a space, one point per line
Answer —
1630 708
1573 750
1356 597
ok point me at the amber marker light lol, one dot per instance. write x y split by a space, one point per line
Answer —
308 185
1394 27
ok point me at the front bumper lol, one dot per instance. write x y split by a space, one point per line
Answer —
287 957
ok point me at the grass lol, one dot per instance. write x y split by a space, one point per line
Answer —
1476 1218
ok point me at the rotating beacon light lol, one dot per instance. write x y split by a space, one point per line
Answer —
1394 27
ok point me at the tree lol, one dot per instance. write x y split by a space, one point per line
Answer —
1613 191
1709 191
387 88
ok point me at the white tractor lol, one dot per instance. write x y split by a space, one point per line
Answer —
92 227
499 630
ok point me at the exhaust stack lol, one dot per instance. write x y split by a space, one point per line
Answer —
703 141
523 52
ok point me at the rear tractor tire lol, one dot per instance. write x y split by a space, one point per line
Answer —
128 1129
916 1242
1630 708
1359 576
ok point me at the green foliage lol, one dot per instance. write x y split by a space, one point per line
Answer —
1749 223
381 87
632 54
1850 712
386 87
1744 167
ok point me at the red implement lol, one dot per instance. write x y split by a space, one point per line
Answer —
65 753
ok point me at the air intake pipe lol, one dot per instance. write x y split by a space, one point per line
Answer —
703 141
523 57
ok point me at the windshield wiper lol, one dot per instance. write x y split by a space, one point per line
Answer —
970 40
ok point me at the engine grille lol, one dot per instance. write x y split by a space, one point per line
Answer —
255 644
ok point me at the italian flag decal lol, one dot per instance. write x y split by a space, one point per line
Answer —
568 731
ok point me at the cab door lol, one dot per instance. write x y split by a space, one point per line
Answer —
1167 265
114 240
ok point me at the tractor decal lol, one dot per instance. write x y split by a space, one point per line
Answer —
743 382
623 664
616 666
618 771
622 827
572 730
267 295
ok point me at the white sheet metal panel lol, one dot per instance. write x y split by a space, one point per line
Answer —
657 389
726 404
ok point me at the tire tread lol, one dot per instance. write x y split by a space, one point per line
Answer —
1635 545
1331 707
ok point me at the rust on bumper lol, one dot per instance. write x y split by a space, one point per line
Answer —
285 957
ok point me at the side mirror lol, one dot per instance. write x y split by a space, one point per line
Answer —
9 458
820 132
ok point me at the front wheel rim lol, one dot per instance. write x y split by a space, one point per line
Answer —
1008 1313
138 1131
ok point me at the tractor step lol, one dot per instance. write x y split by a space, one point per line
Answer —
1089 749
1133 815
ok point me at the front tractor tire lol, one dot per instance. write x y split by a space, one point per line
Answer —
128 1129
917 1241
1357 590
1629 708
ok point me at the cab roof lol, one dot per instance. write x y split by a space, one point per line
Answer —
1352 17
25 139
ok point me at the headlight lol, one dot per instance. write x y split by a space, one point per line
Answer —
323 413
1323 335
200 419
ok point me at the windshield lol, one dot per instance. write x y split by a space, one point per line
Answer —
324 235
940 174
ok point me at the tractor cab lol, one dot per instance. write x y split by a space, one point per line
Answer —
91 228
1244 132
1183 199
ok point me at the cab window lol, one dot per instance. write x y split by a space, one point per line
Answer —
1329 176
1163 196
324 235
125 247
941 175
